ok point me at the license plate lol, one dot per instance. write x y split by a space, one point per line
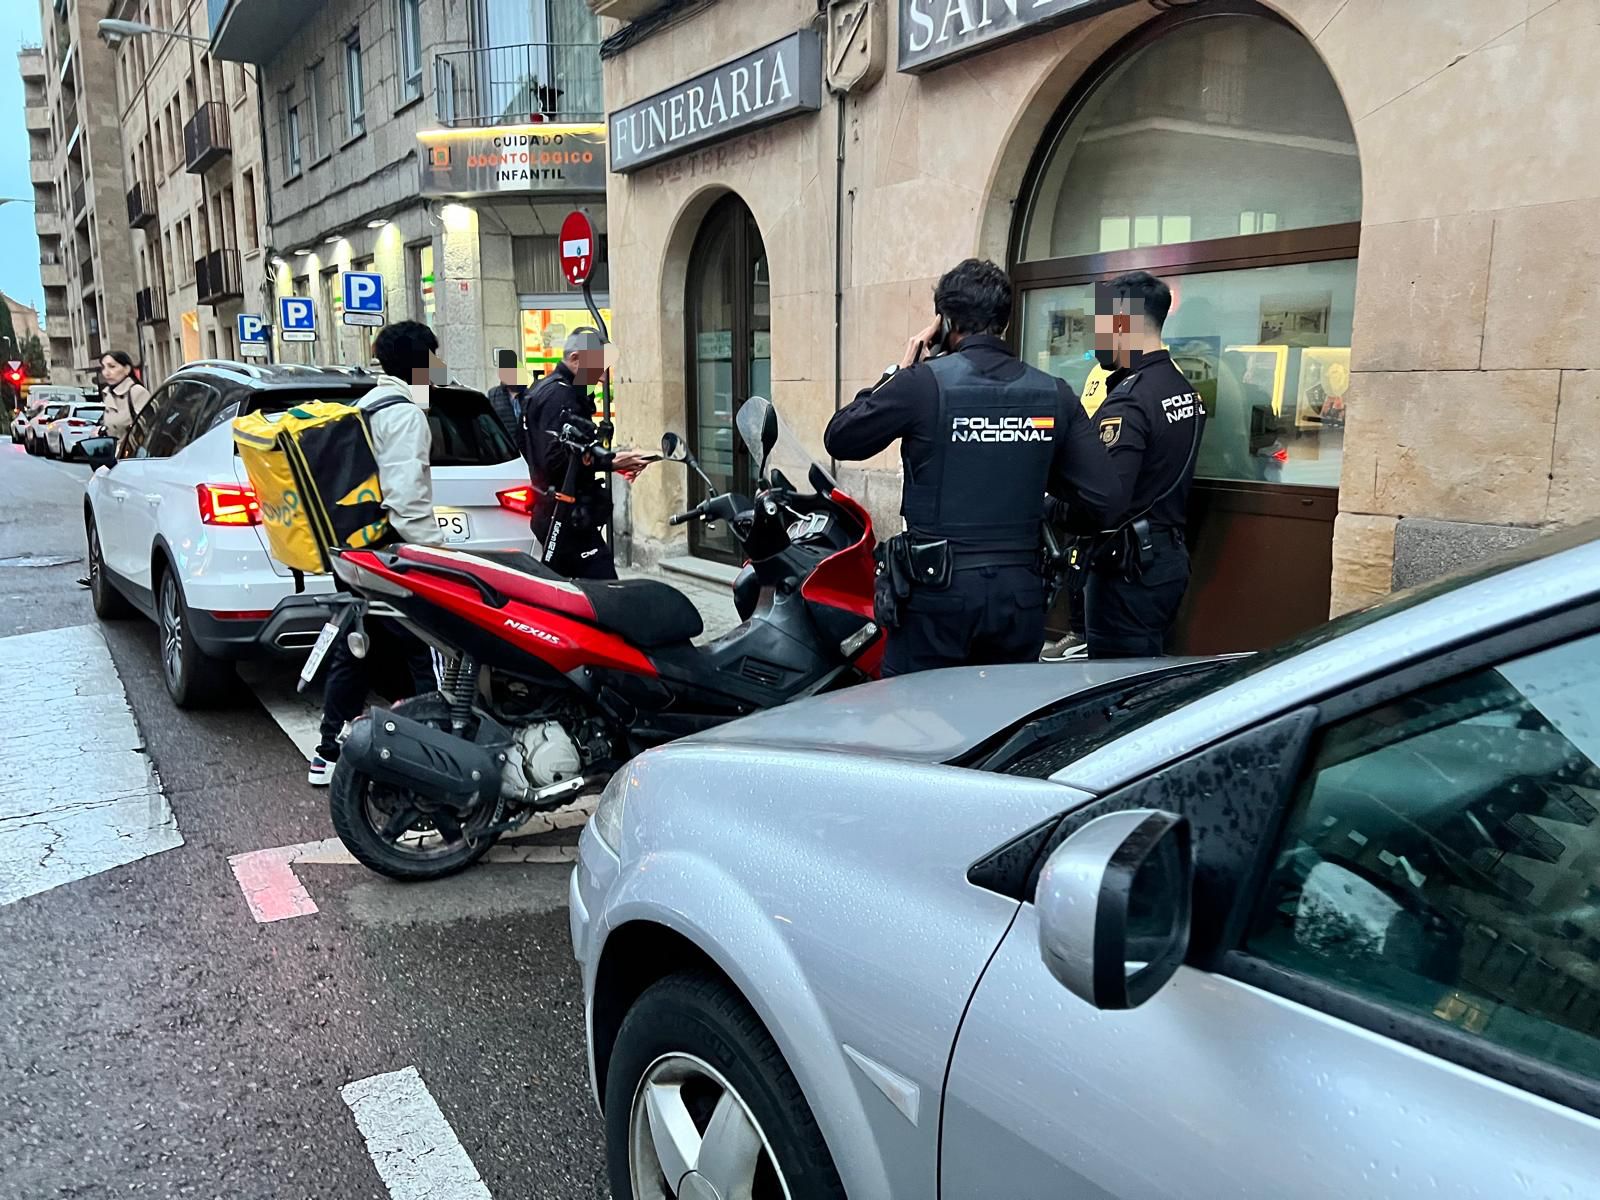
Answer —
319 651
455 525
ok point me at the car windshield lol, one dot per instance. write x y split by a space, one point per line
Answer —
55 411
1150 700
90 414
466 433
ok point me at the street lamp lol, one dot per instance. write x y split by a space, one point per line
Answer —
113 31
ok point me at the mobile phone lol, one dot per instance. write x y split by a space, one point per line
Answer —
937 346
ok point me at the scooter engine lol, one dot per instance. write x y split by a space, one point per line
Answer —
547 755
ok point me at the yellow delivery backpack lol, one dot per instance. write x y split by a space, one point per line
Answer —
315 475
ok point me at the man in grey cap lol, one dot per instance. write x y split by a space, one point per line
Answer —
562 398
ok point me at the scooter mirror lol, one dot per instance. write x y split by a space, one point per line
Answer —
672 446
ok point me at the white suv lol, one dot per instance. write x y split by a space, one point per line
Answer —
174 530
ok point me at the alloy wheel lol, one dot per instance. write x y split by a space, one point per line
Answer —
96 581
691 1136
171 628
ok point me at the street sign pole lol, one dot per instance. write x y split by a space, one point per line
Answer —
580 250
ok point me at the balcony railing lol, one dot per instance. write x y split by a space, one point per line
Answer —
141 204
217 277
150 304
52 272
517 85
205 137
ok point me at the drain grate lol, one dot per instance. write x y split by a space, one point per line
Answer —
38 560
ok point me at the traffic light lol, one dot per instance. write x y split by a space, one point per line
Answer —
15 375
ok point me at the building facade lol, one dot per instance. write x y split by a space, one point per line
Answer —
436 143
193 184
75 163
1381 287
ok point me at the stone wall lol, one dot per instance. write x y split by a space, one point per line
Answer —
1473 356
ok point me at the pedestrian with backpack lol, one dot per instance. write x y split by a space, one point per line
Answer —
397 418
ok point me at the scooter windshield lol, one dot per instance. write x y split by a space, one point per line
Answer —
774 445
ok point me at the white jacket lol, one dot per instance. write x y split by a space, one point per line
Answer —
402 445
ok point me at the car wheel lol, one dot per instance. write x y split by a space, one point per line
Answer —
699 1102
28 444
109 604
194 678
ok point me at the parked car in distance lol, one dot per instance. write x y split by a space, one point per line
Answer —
33 430
23 415
77 421
174 531
1317 923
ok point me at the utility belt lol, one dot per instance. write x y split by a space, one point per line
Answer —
910 562
1125 552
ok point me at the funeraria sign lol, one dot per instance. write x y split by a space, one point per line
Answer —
765 85
933 32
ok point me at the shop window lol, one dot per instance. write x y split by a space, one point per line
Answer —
730 355
423 304
1217 142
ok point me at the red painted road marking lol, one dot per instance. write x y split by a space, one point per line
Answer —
270 886
275 893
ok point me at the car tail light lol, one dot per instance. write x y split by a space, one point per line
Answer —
228 504
76 424
517 500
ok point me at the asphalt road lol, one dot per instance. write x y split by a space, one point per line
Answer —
156 1040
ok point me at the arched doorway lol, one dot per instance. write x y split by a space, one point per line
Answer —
730 355
1213 149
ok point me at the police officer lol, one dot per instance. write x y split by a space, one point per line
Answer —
1150 423
982 437
562 398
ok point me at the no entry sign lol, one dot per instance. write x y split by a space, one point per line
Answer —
578 248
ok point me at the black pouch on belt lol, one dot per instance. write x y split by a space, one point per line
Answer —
931 564
893 581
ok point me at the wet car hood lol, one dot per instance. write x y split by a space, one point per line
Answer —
933 716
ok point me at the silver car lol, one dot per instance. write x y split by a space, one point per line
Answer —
1319 923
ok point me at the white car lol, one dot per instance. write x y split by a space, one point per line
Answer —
76 422
33 426
174 531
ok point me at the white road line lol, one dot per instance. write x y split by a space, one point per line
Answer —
298 714
78 794
417 1154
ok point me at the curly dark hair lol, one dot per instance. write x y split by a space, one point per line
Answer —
404 347
975 296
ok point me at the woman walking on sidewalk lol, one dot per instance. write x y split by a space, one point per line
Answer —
124 396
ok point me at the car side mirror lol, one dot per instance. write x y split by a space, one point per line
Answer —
1114 904
99 451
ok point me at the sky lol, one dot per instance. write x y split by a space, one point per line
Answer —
19 242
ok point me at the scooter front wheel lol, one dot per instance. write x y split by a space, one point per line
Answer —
399 833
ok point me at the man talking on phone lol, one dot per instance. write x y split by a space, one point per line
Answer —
983 438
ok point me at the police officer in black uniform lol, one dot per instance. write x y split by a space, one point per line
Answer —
983 437
1151 424
562 398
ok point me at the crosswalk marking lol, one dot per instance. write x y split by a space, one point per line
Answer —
417 1154
78 794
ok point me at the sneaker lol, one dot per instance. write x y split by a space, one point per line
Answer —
1070 646
320 772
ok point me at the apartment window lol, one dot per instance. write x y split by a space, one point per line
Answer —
354 86
317 97
408 24
166 239
291 138
251 234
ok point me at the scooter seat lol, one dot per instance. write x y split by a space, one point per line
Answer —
646 612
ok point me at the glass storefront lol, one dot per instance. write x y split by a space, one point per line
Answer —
1217 154
730 317
544 335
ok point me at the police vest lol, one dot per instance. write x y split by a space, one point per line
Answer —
983 489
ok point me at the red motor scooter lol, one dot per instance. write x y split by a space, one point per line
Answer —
553 683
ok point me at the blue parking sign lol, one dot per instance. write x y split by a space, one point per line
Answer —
297 317
363 298
252 331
